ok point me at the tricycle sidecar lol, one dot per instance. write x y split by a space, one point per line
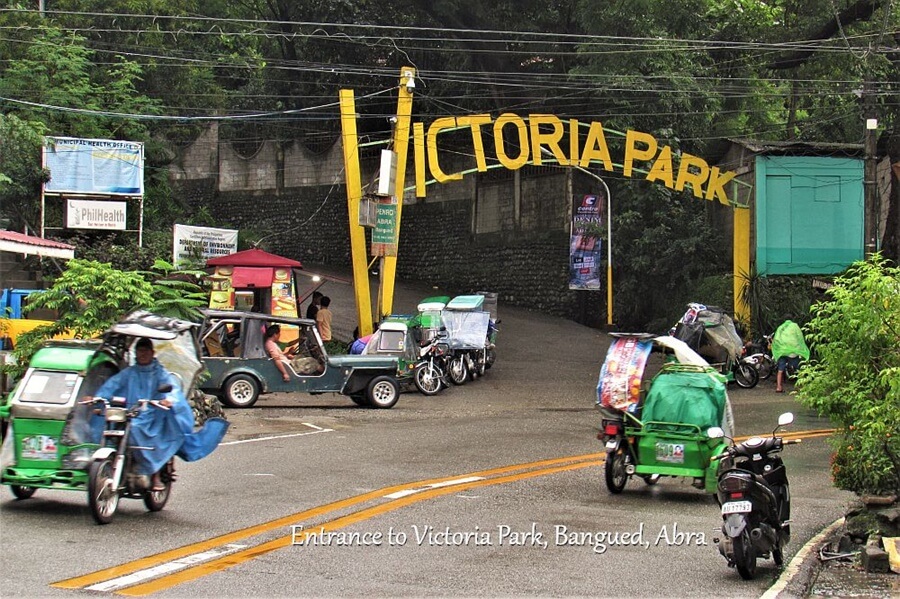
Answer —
657 426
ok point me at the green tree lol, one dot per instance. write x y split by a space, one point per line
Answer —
855 379
20 170
90 296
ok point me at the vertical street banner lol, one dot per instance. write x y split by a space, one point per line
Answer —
584 242
384 235
94 166
619 386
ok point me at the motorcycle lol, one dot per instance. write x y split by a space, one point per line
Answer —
430 374
112 472
759 354
753 491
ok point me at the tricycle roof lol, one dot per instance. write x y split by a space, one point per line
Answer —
153 326
65 355
466 302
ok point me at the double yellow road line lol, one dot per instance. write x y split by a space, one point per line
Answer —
165 570
149 575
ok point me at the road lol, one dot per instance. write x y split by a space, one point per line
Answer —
484 468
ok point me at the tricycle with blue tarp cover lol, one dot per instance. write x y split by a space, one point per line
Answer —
657 426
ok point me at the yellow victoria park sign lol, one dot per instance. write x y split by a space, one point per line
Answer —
543 135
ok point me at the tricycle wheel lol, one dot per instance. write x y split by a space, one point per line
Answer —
103 497
616 477
778 553
651 479
383 392
156 500
457 370
427 377
241 391
22 492
745 555
745 376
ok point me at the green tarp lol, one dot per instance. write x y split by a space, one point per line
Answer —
788 341
695 396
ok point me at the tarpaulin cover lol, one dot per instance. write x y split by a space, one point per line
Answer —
467 330
693 396
788 340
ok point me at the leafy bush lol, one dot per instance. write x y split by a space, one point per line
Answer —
855 379
90 296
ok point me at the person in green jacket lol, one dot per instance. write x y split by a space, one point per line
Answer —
788 346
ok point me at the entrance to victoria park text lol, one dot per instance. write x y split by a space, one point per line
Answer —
540 139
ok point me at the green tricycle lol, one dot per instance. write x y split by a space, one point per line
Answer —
657 426
62 436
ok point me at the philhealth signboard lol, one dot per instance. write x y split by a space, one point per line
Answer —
86 214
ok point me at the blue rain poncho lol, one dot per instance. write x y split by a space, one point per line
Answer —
169 432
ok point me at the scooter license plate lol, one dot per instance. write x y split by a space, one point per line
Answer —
737 507
610 445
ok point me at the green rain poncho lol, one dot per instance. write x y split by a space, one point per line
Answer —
788 340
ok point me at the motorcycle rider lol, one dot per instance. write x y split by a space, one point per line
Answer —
163 430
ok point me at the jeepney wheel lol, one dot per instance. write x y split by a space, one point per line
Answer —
103 497
457 370
156 500
383 392
22 492
616 477
427 377
241 391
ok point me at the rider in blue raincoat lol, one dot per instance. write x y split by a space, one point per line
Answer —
168 432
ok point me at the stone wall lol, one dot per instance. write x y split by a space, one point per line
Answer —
499 231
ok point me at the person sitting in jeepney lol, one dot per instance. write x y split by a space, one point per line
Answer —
162 430
296 355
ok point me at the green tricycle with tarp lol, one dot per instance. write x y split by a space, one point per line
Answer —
64 435
656 426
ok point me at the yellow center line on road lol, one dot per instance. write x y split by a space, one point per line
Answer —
238 535
237 558
401 495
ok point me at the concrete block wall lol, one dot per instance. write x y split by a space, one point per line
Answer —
448 238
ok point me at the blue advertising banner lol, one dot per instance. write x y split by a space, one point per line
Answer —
94 166
584 244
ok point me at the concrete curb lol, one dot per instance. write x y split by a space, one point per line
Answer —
796 578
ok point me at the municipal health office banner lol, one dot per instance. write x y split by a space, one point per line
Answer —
94 166
203 242
584 242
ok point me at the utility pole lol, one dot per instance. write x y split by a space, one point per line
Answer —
870 173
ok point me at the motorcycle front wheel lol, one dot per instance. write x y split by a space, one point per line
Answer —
616 477
22 492
103 497
427 378
458 371
745 375
745 555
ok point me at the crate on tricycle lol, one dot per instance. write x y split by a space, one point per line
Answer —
657 426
